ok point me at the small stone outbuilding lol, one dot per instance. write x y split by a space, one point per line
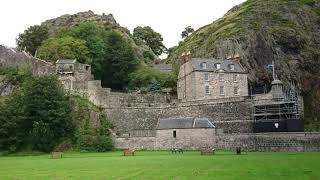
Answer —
185 133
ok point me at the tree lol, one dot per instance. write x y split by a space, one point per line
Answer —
47 113
187 31
37 115
119 61
151 38
104 140
32 38
64 48
94 37
146 77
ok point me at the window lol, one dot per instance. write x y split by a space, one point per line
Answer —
235 78
218 65
203 65
206 77
87 68
70 67
232 67
221 77
236 90
174 134
207 89
221 90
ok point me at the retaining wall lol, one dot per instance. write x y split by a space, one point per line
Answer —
248 142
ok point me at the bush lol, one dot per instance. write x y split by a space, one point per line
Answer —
37 116
146 77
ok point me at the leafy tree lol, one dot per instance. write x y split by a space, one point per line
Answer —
104 140
11 116
94 37
146 77
32 38
47 113
150 38
119 61
64 48
187 31
37 115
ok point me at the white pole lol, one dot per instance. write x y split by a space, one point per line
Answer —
273 73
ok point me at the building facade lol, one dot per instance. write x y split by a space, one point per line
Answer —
205 79
74 76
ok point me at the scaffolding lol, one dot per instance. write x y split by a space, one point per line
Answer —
283 104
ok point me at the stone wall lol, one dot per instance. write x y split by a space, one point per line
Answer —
270 141
185 138
163 140
105 98
214 82
248 142
232 117
77 81
192 84
135 142
11 57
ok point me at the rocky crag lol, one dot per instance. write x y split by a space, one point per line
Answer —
108 22
284 31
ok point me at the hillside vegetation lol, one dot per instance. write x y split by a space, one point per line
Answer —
284 31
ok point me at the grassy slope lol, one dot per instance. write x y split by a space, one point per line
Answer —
293 27
163 165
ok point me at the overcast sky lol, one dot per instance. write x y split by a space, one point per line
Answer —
168 17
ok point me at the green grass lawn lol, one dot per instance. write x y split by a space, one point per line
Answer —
163 165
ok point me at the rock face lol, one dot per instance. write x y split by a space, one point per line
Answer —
57 24
286 32
12 57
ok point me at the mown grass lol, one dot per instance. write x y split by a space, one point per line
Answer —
163 165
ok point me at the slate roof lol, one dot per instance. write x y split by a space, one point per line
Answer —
276 81
211 65
66 61
184 123
163 67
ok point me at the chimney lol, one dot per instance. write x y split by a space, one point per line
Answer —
185 57
182 58
188 56
236 58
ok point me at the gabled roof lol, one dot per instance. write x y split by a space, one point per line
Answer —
163 67
211 65
66 61
184 123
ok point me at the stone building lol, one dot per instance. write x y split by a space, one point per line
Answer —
163 67
74 76
184 133
205 79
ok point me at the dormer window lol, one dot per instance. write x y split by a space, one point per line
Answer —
218 66
231 67
203 65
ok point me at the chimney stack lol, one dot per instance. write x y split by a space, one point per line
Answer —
185 57
235 58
